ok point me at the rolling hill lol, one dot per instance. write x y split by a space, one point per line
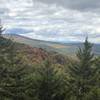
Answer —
32 55
61 48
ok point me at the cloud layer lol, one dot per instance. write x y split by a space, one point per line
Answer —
75 4
54 20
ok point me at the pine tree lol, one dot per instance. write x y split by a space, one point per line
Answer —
13 73
95 91
97 65
48 85
1 29
82 73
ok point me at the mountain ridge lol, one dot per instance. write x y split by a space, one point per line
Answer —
62 48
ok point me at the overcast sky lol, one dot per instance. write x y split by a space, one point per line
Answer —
53 20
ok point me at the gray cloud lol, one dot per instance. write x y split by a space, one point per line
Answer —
47 21
75 4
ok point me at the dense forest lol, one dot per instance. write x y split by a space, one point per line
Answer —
77 79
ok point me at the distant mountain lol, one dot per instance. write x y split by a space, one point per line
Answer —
62 48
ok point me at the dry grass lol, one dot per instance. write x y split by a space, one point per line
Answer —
58 46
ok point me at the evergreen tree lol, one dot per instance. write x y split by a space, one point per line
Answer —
1 29
13 73
95 91
48 85
82 73
97 66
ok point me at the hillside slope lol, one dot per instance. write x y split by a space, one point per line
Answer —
62 48
36 55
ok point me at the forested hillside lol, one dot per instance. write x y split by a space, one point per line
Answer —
68 49
28 73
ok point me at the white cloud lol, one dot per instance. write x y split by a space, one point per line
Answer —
50 22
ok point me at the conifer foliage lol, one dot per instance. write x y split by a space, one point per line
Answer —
82 73
48 84
12 72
